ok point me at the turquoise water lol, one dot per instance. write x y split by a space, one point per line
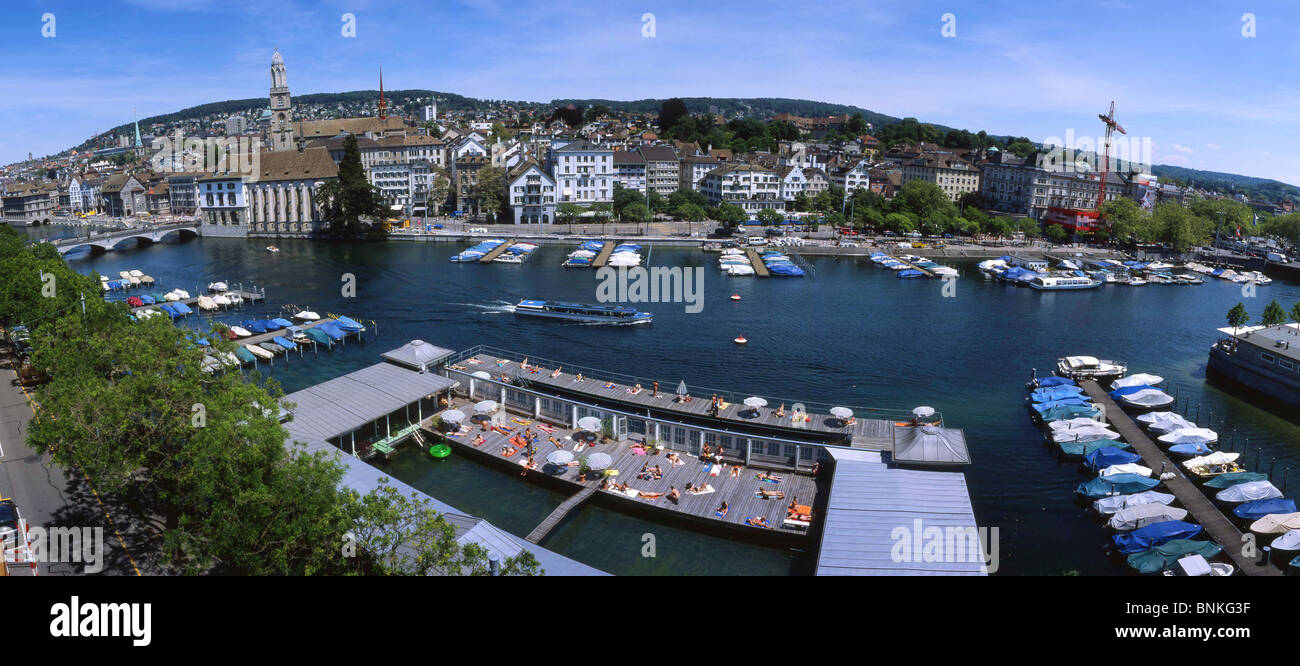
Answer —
853 334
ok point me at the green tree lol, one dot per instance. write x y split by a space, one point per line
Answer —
769 216
1056 233
1273 314
353 207
730 215
569 212
489 189
636 212
1125 220
926 200
1178 227
670 113
1237 317
1295 313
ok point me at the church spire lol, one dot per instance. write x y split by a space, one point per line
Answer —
138 143
383 107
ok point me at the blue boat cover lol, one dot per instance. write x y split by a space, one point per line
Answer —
909 273
147 299
349 325
171 311
1105 457
1260 508
1116 484
1129 389
284 342
253 325
1054 393
331 329
1197 449
1073 449
281 323
182 308
1073 401
1146 538
1048 382
269 325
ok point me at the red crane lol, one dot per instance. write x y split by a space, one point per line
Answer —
1111 126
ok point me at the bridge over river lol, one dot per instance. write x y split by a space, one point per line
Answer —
108 241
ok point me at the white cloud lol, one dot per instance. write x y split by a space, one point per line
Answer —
1181 148
1212 146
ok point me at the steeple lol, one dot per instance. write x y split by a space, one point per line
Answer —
138 143
280 133
383 106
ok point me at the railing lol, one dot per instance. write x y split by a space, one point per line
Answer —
671 387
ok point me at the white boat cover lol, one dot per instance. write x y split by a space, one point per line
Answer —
1084 434
1142 515
221 299
1071 424
1081 361
1288 541
1126 468
1248 492
1147 398
1276 523
1216 458
1194 565
1190 436
1151 417
137 273
1115 503
1136 380
1169 424
240 331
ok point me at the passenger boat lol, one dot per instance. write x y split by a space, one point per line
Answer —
1089 367
1057 283
583 313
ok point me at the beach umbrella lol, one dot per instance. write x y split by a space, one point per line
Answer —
589 423
842 412
559 457
923 412
599 460
485 406
453 416
481 374
681 388
755 402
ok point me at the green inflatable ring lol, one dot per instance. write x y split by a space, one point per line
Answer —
440 451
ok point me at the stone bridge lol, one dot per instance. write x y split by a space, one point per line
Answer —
106 242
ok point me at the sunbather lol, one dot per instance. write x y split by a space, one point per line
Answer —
478 439
723 509
579 378
771 494
635 389
556 373
759 521
610 385
674 494
767 476
556 442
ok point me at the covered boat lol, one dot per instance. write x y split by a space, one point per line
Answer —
1275 523
1062 412
1150 536
1190 436
1072 424
170 309
259 352
284 342
1165 555
1084 434
244 355
1050 393
254 325
1126 468
182 309
271 347
1048 382
1215 458
1261 508
1119 484
1089 367
1248 492
1075 449
1075 401
318 336
217 286
1141 515
1103 458
346 324
1147 398
222 300
1140 379
278 322
1190 449
1288 542
1233 478
330 329
1115 503
307 315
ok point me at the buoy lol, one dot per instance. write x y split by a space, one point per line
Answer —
740 340
735 297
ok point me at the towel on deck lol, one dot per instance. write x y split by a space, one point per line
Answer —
520 421
707 489
767 480
638 451
715 469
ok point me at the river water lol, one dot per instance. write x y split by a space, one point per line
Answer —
850 334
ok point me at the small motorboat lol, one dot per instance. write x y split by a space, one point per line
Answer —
740 340
272 248
217 286
235 298
221 300
259 352
240 331
271 347
1090 367
307 315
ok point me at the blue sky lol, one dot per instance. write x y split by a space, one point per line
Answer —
1181 74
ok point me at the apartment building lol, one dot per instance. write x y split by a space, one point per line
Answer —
691 169
583 171
749 186
530 191
953 175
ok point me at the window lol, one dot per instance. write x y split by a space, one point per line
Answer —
1287 365
1267 358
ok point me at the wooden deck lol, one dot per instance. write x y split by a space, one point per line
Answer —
739 492
496 251
1202 510
867 433
603 256
760 268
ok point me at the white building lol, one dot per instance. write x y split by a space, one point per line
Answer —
750 186
953 175
223 206
583 171
531 194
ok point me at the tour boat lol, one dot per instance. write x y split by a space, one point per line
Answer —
583 313
1053 283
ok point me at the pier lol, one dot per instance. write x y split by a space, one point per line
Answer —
496 251
605 251
1216 525
760 269
559 513
245 296
927 272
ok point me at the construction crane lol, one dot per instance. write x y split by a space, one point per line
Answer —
1111 126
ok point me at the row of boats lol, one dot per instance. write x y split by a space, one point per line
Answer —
1148 530
736 262
584 255
517 253
127 280
1230 275
911 266
1068 274
289 336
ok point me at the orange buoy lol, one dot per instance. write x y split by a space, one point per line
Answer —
735 297
740 340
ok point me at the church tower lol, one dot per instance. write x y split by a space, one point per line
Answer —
281 132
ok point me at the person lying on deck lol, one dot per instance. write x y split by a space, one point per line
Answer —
767 476
771 494
675 459
508 450
556 373
635 389
735 471
556 442
610 385
759 521
478 439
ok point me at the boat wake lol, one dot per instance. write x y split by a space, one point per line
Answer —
498 307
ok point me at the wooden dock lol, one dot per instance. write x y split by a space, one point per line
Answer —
543 528
740 492
868 433
760 269
496 251
603 256
193 301
913 266
1202 510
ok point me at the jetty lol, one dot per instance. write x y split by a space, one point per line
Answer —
245 296
1216 525
927 272
559 513
496 251
608 249
760 268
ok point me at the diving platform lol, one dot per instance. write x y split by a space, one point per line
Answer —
496 251
608 249
760 268
1216 525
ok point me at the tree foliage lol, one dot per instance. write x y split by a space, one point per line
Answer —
354 209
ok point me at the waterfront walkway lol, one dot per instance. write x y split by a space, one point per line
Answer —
760 268
1202 510
740 492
